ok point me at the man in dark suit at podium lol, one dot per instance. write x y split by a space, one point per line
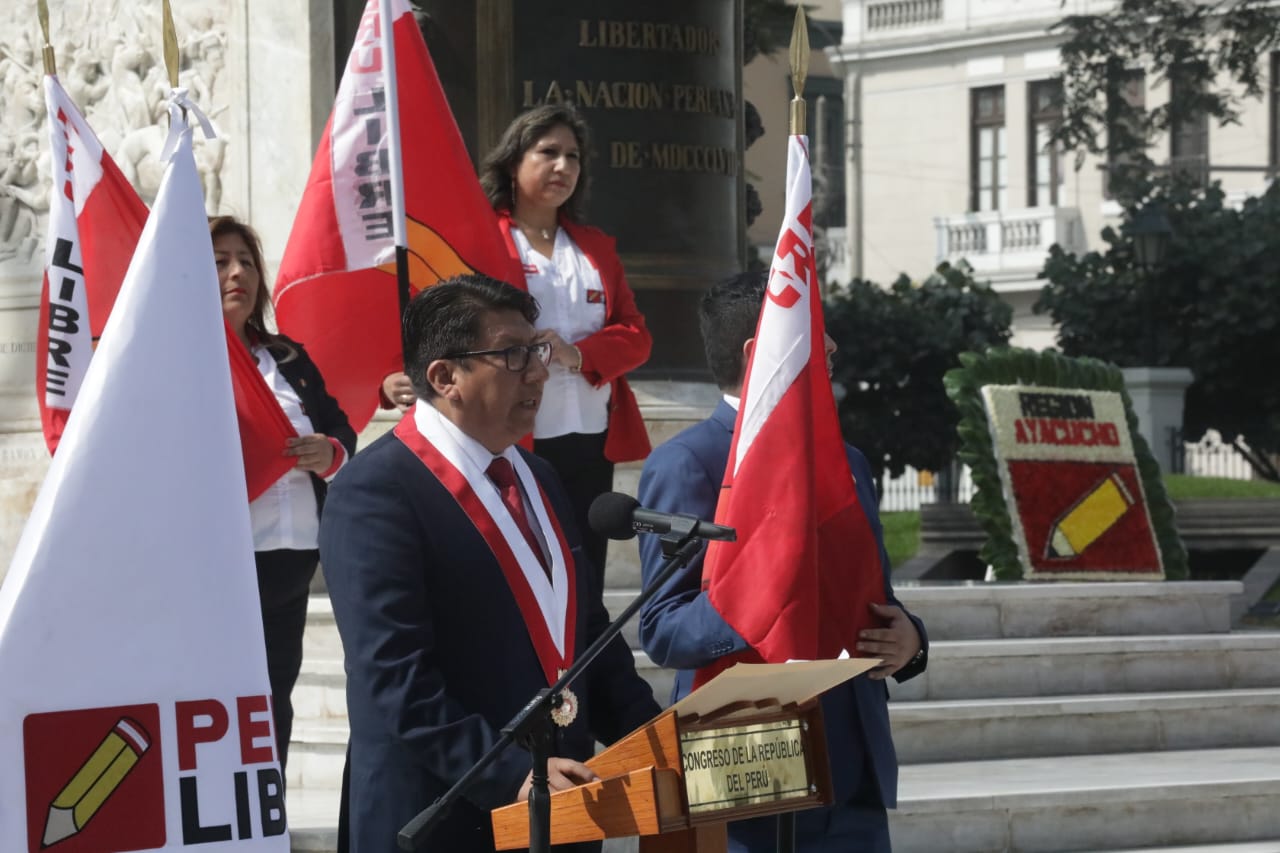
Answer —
680 628
459 584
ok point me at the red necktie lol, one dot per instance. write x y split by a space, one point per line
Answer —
503 475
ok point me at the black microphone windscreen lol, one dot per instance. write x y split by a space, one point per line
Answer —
610 515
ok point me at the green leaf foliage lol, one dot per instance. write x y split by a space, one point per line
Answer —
1211 48
1210 306
895 346
1006 366
766 27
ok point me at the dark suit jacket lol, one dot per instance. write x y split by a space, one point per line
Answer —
437 655
680 629
326 415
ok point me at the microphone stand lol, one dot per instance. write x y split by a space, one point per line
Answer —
787 832
532 726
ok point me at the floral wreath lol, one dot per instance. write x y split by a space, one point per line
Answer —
996 502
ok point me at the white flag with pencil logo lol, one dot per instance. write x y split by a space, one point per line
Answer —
136 706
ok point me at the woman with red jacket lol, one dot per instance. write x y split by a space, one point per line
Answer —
536 179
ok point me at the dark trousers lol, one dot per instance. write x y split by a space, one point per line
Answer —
858 825
284 581
580 461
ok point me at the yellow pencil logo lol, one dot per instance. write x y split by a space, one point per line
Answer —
96 780
1100 509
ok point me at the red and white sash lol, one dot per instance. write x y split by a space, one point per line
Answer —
549 606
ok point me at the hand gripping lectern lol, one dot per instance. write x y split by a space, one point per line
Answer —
749 743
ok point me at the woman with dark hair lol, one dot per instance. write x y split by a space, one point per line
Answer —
286 517
536 179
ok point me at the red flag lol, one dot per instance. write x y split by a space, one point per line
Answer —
797 583
95 219
264 427
336 291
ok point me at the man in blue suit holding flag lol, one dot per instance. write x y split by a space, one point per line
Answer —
680 628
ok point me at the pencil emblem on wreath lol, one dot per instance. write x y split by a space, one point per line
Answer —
96 780
1100 509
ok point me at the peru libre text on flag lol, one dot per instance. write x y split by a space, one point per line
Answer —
797 583
95 218
136 706
337 291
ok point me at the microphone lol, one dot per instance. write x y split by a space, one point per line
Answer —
620 516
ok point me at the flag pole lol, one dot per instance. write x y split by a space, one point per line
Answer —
799 71
799 58
170 46
50 66
393 152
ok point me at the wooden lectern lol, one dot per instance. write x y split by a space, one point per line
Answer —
749 743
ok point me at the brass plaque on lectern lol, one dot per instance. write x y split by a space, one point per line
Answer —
735 766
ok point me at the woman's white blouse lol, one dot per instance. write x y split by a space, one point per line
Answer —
570 295
285 515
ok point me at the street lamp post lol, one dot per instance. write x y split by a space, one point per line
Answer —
1151 232
1158 393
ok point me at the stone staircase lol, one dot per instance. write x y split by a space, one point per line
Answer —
1088 718
1080 717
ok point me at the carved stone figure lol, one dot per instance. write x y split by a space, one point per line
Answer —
110 61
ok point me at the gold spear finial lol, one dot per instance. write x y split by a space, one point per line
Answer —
799 71
42 10
170 46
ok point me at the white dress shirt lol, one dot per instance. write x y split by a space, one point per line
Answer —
570 295
285 516
481 458
471 459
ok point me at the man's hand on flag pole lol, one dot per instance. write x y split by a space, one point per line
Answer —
314 452
896 644
398 389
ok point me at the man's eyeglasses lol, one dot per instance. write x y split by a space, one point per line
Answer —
516 357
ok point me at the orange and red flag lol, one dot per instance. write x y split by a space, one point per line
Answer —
337 289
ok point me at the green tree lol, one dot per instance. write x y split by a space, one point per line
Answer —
1211 48
895 345
1212 307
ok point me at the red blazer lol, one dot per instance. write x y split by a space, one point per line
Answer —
622 345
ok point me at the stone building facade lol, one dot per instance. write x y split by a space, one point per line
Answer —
948 103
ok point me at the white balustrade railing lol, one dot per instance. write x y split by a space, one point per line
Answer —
874 20
902 13
1008 241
